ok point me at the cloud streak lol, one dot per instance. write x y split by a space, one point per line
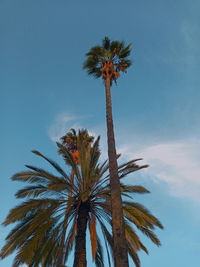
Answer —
175 163
62 123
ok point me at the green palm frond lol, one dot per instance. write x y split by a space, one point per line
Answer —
28 176
151 220
106 43
31 191
150 235
69 158
134 256
133 189
132 237
54 164
129 168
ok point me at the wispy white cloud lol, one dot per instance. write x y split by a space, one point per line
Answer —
63 122
177 164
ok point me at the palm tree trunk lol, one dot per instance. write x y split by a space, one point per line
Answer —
119 241
80 244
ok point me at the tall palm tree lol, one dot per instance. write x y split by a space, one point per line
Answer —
41 218
107 61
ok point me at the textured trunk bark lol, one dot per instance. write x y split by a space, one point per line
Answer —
80 243
120 247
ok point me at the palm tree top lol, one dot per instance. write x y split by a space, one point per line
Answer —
108 59
70 142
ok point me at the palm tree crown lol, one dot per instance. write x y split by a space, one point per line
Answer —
108 60
70 141
48 209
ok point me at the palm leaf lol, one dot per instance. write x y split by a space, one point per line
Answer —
54 164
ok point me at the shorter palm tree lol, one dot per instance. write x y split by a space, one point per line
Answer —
49 211
70 142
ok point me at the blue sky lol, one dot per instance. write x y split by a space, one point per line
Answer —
45 92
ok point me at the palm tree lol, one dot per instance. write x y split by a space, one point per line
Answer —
107 61
70 142
48 211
